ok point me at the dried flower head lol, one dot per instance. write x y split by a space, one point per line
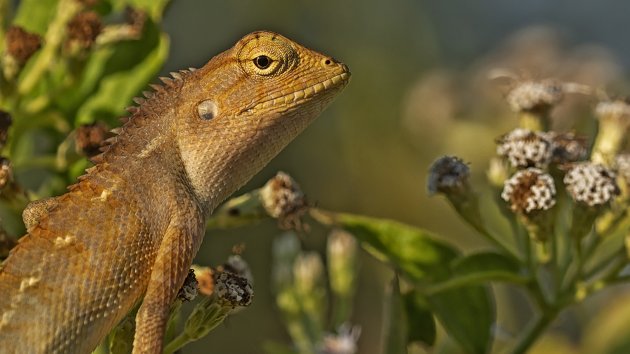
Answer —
84 28
21 45
567 148
190 288
448 174
529 190
534 95
283 199
232 289
590 183
90 137
525 148
136 18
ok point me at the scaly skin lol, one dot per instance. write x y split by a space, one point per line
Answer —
129 229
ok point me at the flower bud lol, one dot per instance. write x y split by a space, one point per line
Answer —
342 262
614 120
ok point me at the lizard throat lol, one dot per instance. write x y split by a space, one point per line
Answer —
303 95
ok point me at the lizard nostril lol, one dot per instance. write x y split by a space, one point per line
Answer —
328 61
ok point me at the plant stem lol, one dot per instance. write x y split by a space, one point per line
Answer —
177 343
534 330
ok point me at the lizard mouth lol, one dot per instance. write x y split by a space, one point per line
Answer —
303 95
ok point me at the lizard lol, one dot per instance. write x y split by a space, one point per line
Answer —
127 231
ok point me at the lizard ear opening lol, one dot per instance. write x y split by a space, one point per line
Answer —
207 110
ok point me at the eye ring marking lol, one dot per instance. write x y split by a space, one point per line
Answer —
262 62
207 110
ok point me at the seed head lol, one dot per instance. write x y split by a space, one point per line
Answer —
21 45
525 148
233 290
534 95
84 28
283 199
591 184
529 190
189 290
448 174
90 137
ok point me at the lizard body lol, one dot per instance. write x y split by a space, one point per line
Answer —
129 229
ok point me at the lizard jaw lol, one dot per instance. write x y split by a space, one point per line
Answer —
296 98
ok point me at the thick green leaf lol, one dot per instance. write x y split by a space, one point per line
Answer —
420 320
415 252
35 15
467 314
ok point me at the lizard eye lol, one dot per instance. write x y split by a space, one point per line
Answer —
262 62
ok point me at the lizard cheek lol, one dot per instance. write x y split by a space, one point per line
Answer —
207 110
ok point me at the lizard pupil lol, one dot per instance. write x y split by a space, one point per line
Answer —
262 61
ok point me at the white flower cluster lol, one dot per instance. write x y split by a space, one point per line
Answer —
532 95
526 148
529 190
591 184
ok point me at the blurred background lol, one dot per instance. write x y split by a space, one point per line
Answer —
419 90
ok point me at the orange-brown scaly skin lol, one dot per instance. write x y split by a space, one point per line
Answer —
129 229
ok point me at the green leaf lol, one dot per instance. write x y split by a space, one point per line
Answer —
395 322
35 15
420 320
415 252
124 75
480 268
467 314
154 8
